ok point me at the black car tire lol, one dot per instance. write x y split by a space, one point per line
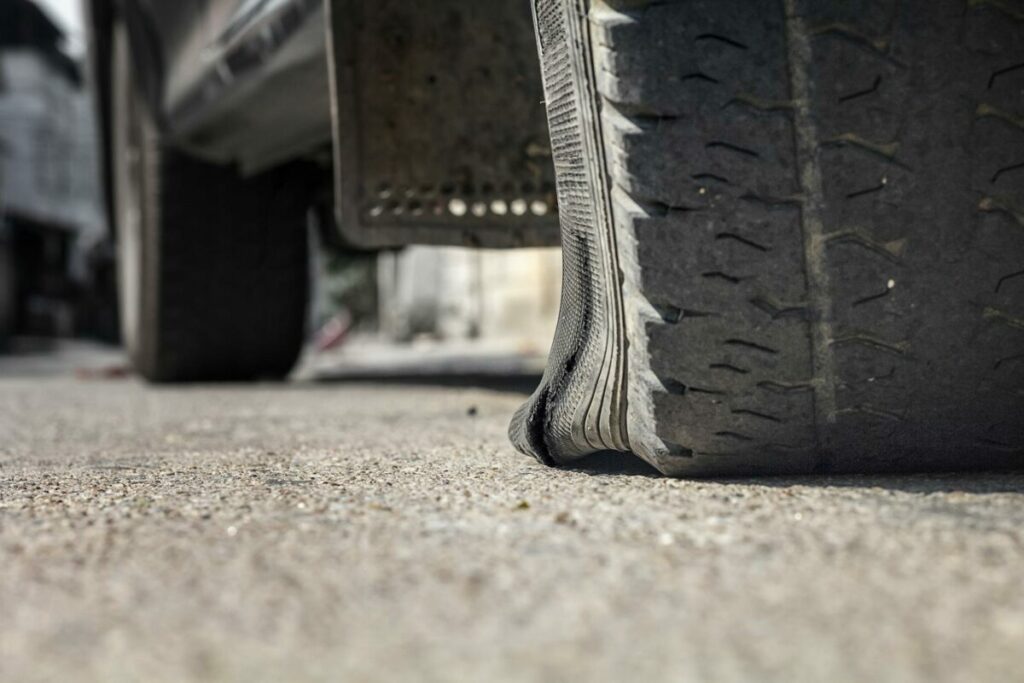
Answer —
793 234
8 285
213 266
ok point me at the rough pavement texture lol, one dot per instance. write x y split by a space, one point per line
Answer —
359 532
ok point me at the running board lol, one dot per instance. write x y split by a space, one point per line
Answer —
440 129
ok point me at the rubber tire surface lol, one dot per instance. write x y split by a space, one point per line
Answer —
8 295
818 210
224 261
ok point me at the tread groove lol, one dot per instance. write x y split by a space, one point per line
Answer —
799 58
719 144
751 345
725 40
861 93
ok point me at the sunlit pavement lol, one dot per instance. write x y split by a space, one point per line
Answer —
371 528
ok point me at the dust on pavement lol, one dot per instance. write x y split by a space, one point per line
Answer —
356 531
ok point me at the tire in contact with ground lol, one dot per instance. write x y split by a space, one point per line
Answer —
793 234
212 266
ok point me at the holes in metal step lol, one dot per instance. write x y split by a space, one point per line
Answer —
463 201
457 207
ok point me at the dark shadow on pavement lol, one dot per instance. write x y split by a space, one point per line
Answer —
625 464
923 483
614 463
510 382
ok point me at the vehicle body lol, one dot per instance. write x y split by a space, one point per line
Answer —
249 82
206 66
790 229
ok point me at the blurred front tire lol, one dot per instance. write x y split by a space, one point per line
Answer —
212 266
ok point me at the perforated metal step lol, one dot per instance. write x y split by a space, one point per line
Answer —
440 126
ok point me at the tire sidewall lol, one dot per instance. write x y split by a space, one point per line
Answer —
129 209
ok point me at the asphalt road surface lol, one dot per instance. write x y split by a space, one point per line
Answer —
382 531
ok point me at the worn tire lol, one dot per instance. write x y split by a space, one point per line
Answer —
793 233
8 285
213 266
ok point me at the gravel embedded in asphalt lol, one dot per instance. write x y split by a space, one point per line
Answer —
355 531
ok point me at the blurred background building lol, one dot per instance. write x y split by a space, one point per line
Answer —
50 219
